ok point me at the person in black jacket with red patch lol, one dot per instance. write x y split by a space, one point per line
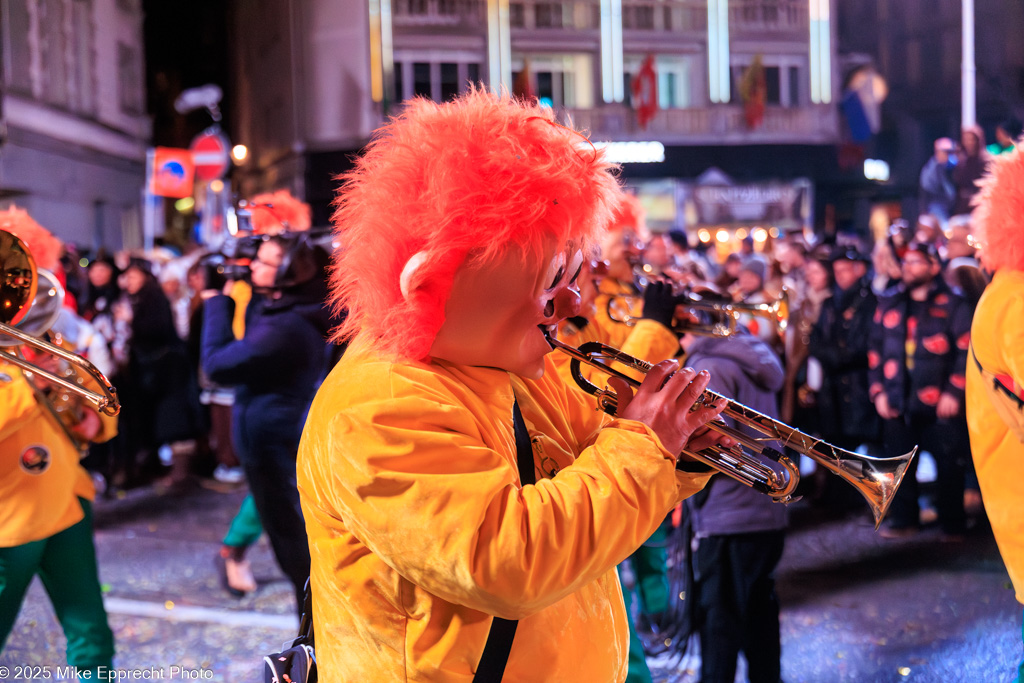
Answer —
917 361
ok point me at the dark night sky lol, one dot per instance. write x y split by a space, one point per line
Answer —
186 46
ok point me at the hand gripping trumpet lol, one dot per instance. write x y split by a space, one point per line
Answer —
875 478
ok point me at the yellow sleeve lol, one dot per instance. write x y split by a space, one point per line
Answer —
411 475
241 294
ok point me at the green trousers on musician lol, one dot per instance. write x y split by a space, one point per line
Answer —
245 528
66 564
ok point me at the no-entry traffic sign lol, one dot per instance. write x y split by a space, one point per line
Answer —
211 155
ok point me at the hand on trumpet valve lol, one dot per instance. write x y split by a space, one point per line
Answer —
665 402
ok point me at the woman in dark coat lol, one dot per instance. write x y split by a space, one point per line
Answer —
275 369
161 401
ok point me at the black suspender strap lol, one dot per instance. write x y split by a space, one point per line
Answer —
503 631
524 450
996 384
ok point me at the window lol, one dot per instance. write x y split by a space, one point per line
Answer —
449 81
399 82
18 54
638 17
516 15
421 80
52 48
129 79
83 95
473 73
773 88
794 86
913 61
549 15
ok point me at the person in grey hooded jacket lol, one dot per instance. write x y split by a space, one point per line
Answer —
738 533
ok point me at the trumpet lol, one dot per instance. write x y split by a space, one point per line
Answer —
876 479
19 282
725 316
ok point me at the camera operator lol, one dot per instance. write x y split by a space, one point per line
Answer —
275 369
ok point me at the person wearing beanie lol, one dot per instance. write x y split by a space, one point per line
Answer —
995 366
456 491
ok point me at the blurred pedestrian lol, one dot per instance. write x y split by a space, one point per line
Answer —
738 533
972 159
1007 133
937 191
839 343
995 370
917 360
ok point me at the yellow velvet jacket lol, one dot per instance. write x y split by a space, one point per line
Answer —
997 335
41 479
420 531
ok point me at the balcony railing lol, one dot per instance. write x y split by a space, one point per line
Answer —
761 17
768 17
712 125
439 13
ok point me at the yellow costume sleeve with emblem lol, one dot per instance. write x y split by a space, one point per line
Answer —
419 530
997 335
40 475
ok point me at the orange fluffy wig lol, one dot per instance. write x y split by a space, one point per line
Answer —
450 184
998 216
277 212
44 246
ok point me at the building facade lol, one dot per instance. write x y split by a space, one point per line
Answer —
316 77
73 122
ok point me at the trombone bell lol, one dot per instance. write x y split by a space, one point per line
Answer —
19 280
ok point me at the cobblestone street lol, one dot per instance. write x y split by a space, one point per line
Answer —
855 607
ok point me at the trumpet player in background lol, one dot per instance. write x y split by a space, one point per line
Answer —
649 338
426 536
46 495
738 533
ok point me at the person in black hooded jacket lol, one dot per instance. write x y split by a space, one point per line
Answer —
275 369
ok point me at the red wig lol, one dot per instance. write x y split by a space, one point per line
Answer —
998 216
629 214
44 246
466 180
276 212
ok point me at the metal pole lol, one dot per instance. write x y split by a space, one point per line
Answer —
967 69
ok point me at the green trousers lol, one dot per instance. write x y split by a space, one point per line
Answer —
638 671
66 563
245 528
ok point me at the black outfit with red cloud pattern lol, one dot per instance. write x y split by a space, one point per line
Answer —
917 352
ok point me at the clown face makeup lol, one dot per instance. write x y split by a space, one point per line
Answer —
498 313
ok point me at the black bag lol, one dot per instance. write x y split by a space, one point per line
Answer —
296 663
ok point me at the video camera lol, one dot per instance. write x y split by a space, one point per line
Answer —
231 260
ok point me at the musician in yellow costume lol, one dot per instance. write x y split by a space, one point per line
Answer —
462 230
46 496
995 364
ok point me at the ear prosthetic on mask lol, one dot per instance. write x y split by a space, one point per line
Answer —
409 272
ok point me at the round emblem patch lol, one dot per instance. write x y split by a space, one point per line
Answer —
35 459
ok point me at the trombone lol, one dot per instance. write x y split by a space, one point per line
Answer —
875 478
725 315
19 282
